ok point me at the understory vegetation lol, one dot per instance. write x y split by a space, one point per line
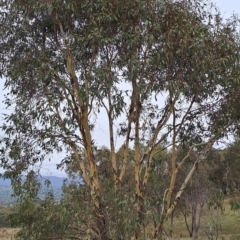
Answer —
209 207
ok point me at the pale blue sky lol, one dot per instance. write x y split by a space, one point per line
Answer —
227 7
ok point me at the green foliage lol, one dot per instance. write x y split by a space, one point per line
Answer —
71 217
225 168
40 221
4 213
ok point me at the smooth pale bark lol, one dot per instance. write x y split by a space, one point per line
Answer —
168 211
81 115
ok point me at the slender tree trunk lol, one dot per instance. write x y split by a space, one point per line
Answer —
194 212
140 220
171 226
101 224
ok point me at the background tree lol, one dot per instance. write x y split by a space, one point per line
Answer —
195 199
224 171
67 61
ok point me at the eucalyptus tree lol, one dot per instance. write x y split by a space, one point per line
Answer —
160 72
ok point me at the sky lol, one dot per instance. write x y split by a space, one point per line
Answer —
226 7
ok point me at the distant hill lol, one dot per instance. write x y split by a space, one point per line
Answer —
5 182
55 181
55 187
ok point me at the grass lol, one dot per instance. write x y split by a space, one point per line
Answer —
228 230
7 233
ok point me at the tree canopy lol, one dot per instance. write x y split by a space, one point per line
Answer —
164 74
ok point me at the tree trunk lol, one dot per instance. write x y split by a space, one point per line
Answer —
101 224
194 212
140 220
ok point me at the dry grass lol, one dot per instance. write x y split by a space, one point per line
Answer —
7 233
229 230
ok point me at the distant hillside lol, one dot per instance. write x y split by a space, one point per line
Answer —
6 192
55 181
5 182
